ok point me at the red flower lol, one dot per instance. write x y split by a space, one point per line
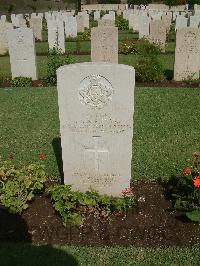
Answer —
127 192
10 157
187 171
196 181
42 156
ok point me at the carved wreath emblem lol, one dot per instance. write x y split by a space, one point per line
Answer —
95 91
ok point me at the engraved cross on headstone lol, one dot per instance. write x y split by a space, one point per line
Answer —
96 151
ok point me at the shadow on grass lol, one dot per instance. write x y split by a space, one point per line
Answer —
30 255
16 248
56 143
13 228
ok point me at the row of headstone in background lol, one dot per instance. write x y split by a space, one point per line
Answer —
155 15
154 30
105 40
182 22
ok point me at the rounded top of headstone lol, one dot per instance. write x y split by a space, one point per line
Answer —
94 64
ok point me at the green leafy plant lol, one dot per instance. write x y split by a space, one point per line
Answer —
93 23
128 47
86 35
149 69
55 60
18 186
184 189
74 205
146 48
21 82
121 23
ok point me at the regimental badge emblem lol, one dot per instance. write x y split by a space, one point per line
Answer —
95 91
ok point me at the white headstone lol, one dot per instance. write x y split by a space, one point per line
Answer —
22 22
15 20
70 27
3 18
80 23
106 23
104 44
96 125
97 15
36 25
143 26
61 36
197 9
4 27
158 33
134 22
181 22
112 15
52 33
187 54
194 21
21 43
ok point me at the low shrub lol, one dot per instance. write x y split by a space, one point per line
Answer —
184 189
93 23
121 23
86 35
147 48
21 82
128 47
149 69
74 205
18 186
56 60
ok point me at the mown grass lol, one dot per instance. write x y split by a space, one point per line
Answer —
5 72
31 255
166 128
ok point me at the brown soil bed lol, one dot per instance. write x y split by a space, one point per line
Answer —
153 223
169 84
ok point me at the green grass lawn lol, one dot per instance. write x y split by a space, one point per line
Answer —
166 128
5 72
30 255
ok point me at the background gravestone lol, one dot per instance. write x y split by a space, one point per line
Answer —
104 44
21 43
70 27
106 22
96 123
187 54
80 23
181 22
158 33
4 27
52 33
36 26
61 36
144 26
